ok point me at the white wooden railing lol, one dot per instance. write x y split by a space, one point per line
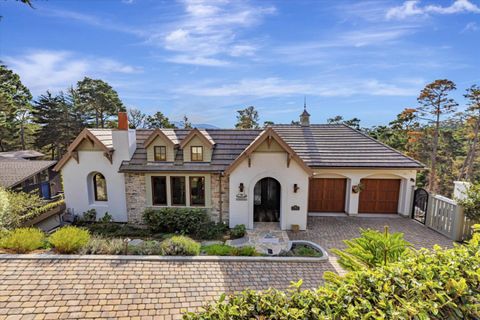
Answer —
445 216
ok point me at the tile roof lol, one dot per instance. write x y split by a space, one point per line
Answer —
229 143
14 171
337 145
24 154
104 135
319 146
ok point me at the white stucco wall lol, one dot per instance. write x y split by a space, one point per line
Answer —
77 178
354 176
274 165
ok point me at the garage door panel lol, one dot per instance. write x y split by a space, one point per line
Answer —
379 196
327 195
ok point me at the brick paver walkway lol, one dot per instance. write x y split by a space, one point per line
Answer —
70 289
329 232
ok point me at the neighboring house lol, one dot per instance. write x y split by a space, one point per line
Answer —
279 174
19 174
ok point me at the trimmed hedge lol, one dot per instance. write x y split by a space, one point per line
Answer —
424 284
191 221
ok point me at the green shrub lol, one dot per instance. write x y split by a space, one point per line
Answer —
211 231
98 245
305 251
41 210
238 231
89 216
194 222
180 246
246 251
218 250
372 249
69 239
107 217
15 205
471 202
226 250
146 248
424 284
116 230
23 240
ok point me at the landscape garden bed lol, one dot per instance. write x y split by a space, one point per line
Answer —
168 232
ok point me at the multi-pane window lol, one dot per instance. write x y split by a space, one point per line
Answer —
99 187
160 153
177 186
197 191
197 153
159 191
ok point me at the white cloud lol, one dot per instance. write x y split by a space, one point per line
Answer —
43 70
276 87
471 26
412 8
210 31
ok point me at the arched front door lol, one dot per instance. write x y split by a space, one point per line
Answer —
266 206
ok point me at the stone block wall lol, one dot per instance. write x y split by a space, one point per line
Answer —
217 196
136 196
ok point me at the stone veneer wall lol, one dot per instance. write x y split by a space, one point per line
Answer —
135 191
136 196
216 196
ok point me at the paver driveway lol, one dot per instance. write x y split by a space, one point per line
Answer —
329 232
72 289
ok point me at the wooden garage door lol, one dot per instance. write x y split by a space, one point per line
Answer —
327 195
379 196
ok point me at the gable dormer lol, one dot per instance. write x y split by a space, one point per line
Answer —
159 147
197 146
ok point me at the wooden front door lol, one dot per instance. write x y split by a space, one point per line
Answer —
327 195
266 206
379 196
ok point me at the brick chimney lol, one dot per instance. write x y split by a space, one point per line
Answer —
122 121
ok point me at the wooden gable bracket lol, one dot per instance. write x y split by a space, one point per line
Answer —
109 156
75 156
90 139
289 158
249 161
269 140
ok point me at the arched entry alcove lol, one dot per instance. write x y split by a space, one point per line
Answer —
266 203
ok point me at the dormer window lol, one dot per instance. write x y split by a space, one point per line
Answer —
197 153
160 153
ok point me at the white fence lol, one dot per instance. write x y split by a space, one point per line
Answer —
445 216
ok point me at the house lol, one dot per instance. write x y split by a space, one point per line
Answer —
279 174
19 171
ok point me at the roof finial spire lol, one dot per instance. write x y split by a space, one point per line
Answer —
305 116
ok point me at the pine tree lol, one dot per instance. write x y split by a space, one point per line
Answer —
247 118
98 99
15 110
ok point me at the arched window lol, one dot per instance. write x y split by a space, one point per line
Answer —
99 187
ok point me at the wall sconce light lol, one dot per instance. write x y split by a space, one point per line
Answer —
241 187
412 180
295 188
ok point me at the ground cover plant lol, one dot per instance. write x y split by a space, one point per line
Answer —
422 284
180 246
226 250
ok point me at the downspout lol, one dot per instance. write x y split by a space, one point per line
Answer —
220 202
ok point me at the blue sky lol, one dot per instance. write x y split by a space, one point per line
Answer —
209 58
